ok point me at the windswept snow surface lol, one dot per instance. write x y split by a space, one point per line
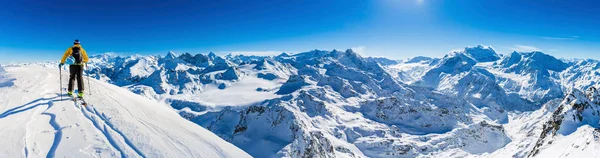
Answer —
36 122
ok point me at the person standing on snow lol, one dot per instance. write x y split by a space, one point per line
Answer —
77 57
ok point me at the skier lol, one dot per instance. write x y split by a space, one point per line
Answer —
78 54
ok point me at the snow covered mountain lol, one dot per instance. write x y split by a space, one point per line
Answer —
37 122
472 102
563 127
576 110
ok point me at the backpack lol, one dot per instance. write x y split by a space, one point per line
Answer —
76 54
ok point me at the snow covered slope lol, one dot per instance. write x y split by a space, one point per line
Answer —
36 122
572 125
5 80
566 127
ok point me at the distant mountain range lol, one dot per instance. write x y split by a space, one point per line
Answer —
473 102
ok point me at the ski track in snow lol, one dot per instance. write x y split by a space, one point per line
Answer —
37 122
108 137
107 122
21 108
52 122
57 130
107 131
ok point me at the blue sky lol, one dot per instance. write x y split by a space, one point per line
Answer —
43 29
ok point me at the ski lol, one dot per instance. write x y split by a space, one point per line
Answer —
75 99
83 101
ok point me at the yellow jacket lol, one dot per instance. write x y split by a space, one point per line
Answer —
70 50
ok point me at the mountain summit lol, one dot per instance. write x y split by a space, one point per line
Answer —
481 53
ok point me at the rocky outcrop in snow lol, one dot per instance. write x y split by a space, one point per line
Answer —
576 109
232 73
417 116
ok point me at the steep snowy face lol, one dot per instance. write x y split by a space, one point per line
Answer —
519 81
533 63
541 72
582 74
346 72
170 56
534 77
458 74
481 88
123 70
383 61
408 71
481 53
451 65
576 110
199 60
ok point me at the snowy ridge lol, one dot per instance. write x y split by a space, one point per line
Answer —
576 110
116 123
542 69
459 74
534 76
481 53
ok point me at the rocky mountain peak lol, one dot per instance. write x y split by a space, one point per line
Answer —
481 53
170 55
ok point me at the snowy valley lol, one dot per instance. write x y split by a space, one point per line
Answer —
469 103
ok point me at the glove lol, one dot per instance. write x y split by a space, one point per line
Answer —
60 65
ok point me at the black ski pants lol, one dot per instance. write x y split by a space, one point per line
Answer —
76 72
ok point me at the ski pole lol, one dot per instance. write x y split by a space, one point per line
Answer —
88 78
60 81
